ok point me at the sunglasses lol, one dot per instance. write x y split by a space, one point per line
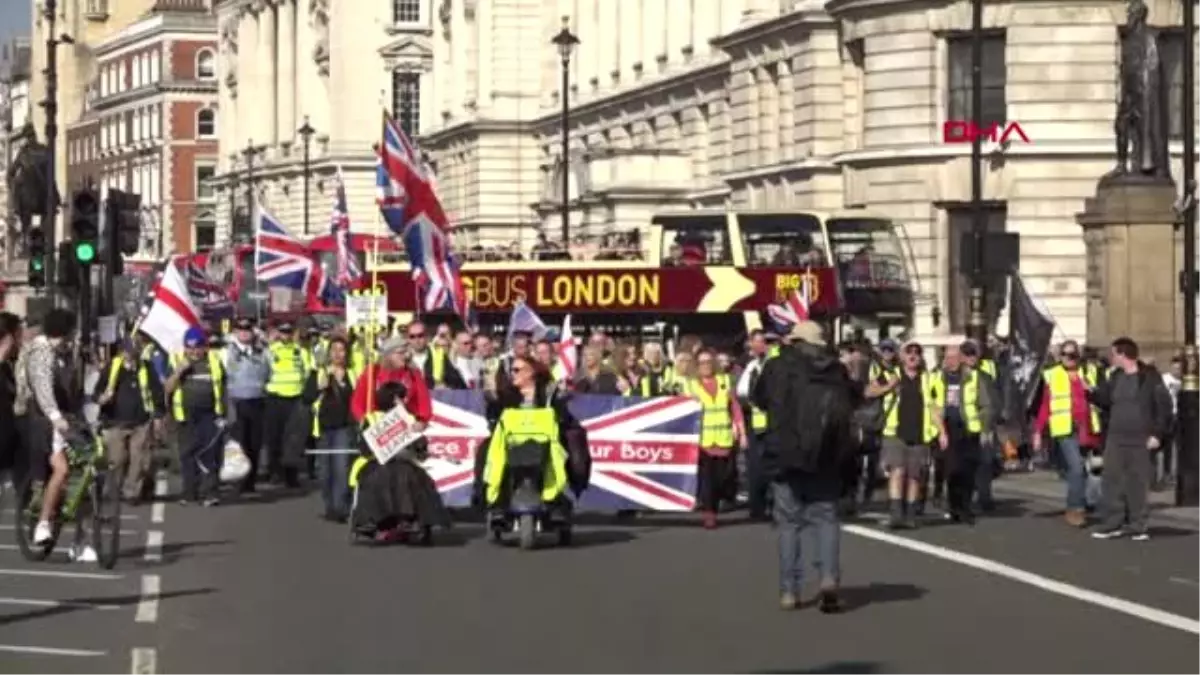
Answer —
1070 355
912 350
414 336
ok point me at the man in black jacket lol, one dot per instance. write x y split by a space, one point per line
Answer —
806 478
1138 408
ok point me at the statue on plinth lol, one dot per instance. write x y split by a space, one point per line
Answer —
1141 109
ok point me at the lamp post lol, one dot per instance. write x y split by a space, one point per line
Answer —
977 321
1187 485
248 154
566 41
306 133
50 104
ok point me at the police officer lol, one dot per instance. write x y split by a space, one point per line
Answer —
196 388
756 483
290 365
247 369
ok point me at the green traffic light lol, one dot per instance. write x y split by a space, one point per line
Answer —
37 264
85 251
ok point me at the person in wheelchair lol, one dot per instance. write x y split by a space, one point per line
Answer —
399 498
534 427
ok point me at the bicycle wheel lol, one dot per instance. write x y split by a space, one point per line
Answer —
28 512
106 517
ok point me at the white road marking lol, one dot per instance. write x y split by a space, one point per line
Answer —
49 651
1186 582
143 661
147 607
129 516
58 574
154 542
158 509
33 602
12 547
1133 609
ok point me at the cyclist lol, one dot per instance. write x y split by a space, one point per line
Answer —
47 392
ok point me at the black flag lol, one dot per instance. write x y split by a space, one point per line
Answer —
1030 330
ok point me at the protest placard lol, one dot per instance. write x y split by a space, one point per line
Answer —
391 435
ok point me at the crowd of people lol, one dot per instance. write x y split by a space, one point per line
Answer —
802 430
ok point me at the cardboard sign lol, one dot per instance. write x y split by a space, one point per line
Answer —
391 435
366 309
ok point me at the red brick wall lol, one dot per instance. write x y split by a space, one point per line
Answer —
182 59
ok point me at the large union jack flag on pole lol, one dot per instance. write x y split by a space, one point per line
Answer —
209 296
644 450
410 207
348 271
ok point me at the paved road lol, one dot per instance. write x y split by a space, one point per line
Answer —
266 587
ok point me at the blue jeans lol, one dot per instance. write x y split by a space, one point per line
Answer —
1075 471
796 515
335 469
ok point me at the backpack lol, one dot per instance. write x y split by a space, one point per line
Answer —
819 425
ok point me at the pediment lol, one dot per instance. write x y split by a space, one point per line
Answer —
407 47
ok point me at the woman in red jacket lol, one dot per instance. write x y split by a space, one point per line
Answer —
396 499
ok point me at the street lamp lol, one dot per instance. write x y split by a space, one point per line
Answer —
977 321
248 154
566 41
1187 486
306 133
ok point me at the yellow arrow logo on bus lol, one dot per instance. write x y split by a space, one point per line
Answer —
729 287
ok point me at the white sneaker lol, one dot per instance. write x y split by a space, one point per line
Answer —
83 554
42 533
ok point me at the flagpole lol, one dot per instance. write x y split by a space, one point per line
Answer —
371 350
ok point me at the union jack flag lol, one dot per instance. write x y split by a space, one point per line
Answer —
281 260
348 271
209 295
644 450
794 308
410 207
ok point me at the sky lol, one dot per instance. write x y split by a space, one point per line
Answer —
14 18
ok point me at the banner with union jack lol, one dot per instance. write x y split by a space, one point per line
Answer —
644 450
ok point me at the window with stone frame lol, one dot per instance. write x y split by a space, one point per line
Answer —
959 219
206 65
406 101
206 123
994 78
406 11
205 191
204 232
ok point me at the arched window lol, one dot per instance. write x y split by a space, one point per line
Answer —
206 65
206 123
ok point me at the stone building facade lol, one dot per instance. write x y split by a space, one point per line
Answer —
150 126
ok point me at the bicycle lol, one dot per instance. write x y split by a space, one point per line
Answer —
90 484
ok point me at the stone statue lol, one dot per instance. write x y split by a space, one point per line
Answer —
27 179
318 14
1141 110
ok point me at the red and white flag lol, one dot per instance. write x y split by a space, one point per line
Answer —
171 313
568 352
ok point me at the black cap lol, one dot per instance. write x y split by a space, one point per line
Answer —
771 336
244 323
313 330
285 327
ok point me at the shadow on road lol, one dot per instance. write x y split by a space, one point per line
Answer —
171 551
832 667
68 606
857 597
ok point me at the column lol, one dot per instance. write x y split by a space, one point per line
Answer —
679 35
443 67
266 95
608 43
306 71
460 67
486 48
590 54
654 26
247 77
629 30
757 10
286 106
706 24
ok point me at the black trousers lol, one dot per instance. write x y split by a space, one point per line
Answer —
278 414
248 426
716 481
962 467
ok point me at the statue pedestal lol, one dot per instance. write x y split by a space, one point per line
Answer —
1134 255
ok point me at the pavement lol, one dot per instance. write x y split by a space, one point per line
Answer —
1045 486
264 586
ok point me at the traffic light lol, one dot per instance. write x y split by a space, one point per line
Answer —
37 257
68 267
85 225
125 219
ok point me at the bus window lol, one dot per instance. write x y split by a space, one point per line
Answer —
701 239
868 253
783 240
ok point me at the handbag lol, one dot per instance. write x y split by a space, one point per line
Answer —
235 465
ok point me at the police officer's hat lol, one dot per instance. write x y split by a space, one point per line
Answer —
312 331
285 327
244 323
770 336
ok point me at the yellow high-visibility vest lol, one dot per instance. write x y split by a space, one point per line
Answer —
216 370
968 402
758 417
526 425
290 364
666 380
988 366
143 380
892 404
716 422
351 377
1062 422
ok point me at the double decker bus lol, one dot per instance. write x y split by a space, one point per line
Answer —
710 273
